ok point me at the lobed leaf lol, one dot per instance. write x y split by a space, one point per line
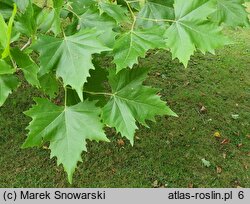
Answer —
192 30
131 101
66 128
70 56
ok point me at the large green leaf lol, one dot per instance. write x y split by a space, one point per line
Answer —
134 44
191 29
7 84
131 101
231 12
70 56
66 128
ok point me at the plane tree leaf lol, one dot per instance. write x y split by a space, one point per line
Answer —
131 101
191 29
66 128
71 56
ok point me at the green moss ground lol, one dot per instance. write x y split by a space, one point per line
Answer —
170 152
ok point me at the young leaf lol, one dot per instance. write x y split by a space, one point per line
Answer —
27 65
191 30
6 51
3 32
7 84
70 56
135 44
131 101
66 128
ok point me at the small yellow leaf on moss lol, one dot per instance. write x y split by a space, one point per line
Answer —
217 135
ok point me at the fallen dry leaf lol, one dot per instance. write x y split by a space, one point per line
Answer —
203 110
190 185
225 141
155 184
113 170
158 74
245 166
240 145
248 136
224 155
45 147
120 142
186 83
218 169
